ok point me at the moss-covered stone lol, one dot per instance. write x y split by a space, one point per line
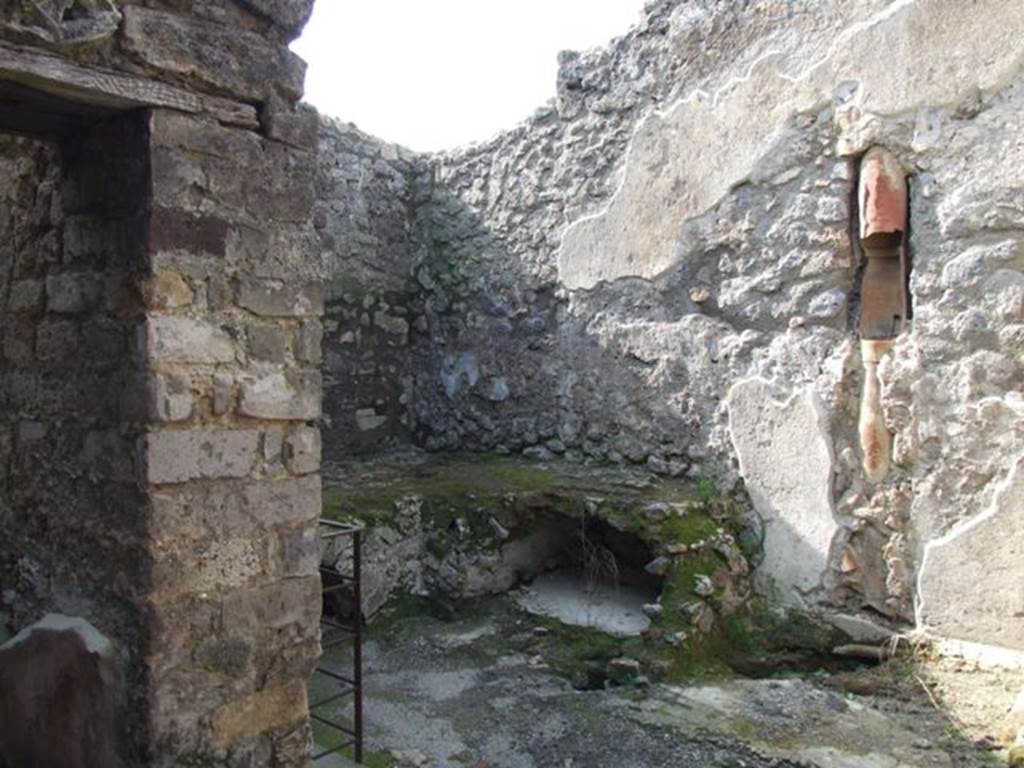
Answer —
472 503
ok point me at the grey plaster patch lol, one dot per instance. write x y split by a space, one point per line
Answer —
785 456
971 583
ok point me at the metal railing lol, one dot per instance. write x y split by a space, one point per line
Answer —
336 633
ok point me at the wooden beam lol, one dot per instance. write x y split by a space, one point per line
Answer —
112 90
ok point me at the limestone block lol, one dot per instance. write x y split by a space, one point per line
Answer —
280 708
302 450
291 395
71 292
223 393
268 342
26 296
228 510
221 57
785 458
176 456
308 343
166 289
206 566
271 606
299 552
174 229
289 15
367 419
296 126
971 584
56 341
276 299
172 339
170 398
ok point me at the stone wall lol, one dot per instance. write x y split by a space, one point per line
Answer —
368 194
74 536
657 268
161 386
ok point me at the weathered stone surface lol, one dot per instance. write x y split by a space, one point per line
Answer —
176 456
297 126
228 510
302 450
785 456
290 15
26 296
268 342
291 395
176 339
971 586
121 243
668 180
170 398
48 21
218 56
70 293
167 289
275 299
254 715
308 342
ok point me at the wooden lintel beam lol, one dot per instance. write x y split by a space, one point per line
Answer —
112 90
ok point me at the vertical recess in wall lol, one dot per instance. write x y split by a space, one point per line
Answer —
883 306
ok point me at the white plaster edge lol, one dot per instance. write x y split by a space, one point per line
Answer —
715 98
804 599
984 656
956 532
92 638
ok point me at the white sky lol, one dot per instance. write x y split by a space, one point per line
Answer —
434 74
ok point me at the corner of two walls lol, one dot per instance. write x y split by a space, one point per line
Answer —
659 269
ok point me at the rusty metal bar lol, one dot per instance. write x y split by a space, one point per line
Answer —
349 685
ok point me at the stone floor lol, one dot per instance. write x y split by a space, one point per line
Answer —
489 688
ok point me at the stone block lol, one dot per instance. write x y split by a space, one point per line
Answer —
230 509
26 296
289 15
299 552
56 341
172 339
281 708
223 393
302 450
293 125
205 566
173 229
272 606
268 342
72 292
19 342
274 298
308 343
291 395
218 57
273 446
170 398
177 456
